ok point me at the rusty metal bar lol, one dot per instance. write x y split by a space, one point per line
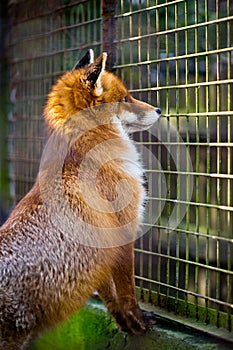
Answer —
110 31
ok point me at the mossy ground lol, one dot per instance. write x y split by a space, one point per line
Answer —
92 328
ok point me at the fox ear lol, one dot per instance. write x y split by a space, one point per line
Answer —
95 72
87 59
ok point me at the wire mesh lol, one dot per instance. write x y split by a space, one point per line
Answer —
43 44
177 55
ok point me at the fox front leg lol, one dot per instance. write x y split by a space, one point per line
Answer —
118 294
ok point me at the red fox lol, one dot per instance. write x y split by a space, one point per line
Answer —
51 262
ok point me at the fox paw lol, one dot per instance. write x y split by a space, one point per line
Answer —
148 318
135 321
130 321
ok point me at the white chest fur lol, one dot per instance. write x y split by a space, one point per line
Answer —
132 165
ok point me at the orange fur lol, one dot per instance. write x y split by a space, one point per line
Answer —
46 273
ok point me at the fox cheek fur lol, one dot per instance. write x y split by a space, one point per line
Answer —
46 272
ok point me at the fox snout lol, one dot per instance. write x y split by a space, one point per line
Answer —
146 105
138 116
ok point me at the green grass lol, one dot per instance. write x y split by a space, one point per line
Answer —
90 328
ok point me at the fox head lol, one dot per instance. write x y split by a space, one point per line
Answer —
88 85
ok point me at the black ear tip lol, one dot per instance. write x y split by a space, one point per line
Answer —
87 59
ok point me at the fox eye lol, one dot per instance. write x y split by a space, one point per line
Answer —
125 99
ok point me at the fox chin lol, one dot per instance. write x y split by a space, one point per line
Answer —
73 233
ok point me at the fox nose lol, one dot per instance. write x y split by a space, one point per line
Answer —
158 110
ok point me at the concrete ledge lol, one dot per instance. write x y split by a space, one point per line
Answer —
92 328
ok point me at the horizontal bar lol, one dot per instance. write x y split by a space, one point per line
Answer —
189 262
23 160
198 204
54 31
200 114
46 12
174 172
13 120
217 301
38 76
176 30
22 180
148 9
193 233
197 144
182 86
176 58
54 53
27 138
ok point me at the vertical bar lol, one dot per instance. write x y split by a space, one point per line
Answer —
110 31
139 83
142 259
131 58
208 168
88 25
218 284
159 156
196 282
64 45
168 270
177 152
122 32
95 29
157 54
148 54
150 175
139 50
229 161
187 100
